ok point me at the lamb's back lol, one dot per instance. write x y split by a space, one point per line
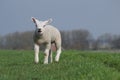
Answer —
52 32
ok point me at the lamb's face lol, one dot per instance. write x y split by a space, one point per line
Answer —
40 25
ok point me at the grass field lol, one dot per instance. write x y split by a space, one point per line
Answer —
73 65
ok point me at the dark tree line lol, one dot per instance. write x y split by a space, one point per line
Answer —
17 40
74 39
107 41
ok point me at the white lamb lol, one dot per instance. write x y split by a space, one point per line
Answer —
47 35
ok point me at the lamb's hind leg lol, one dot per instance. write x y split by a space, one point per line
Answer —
58 54
58 47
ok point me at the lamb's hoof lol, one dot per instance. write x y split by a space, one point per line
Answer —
36 62
45 62
56 61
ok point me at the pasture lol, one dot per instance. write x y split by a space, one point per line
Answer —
73 65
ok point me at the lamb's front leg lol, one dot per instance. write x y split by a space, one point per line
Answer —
36 49
50 56
47 53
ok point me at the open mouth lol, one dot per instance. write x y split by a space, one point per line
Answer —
39 31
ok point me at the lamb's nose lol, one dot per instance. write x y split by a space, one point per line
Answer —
39 30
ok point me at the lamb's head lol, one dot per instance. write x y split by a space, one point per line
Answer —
40 25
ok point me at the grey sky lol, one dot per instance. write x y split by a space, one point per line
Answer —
97 16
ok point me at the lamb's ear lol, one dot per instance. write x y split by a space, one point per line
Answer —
33 19
48 21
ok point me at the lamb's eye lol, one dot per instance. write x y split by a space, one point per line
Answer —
44 25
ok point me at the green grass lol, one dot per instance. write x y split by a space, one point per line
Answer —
73 65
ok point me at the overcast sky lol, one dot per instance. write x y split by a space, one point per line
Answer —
97 16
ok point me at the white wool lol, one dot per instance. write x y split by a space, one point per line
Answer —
47 35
